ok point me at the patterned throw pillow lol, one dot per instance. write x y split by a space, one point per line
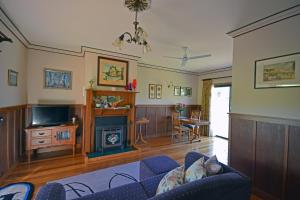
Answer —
212 166
171 180
195 171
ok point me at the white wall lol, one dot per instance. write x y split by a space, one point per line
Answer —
83 69
13 56
278 39
146 76
37 61
216 79
91 67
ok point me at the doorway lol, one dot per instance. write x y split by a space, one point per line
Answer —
219 109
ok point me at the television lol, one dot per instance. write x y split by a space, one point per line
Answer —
43 115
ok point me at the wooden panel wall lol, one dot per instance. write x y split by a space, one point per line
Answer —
160 118
11 136
267 150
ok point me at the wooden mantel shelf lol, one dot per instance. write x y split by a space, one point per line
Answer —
92 112
111 112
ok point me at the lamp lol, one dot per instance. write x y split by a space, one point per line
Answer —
140 35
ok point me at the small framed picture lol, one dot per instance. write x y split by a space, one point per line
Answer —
57 79
183 91
176 90
189 91
12 78
158 91
152 91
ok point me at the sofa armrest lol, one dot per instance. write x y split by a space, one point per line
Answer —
229 186
51 191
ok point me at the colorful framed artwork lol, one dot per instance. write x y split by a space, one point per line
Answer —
12 78
57 79
112 72
152 91
189 91
277 72
158 91
176 90
183 91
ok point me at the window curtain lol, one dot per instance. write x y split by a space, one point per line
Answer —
205 106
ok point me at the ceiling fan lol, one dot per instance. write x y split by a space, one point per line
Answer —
185 58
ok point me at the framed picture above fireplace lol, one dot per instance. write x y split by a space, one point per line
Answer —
112 72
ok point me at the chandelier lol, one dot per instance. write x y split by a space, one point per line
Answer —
140 35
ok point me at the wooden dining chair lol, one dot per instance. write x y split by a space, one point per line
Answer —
177 128
194 129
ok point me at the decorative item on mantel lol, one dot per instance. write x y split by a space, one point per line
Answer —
139 37
179 107
91 82
131 86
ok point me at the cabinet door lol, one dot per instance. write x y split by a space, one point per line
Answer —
3 144
63 135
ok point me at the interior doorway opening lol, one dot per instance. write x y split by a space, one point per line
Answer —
219 109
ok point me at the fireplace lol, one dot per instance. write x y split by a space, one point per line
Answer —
110 133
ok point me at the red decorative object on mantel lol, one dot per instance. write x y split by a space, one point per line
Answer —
134 84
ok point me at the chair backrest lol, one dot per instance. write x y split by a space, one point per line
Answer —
196 114
175 119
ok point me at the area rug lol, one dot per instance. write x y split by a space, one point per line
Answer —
16 191
100 180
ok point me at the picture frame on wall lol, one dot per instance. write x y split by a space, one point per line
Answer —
189 91
277 72
152 91
12 78
158 91
112 72
183 91
176 90
57 79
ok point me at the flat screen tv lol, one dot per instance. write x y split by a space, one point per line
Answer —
43 115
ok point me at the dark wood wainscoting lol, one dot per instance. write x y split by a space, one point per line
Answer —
160 117
12 126
267 150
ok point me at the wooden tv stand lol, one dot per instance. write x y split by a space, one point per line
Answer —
44 137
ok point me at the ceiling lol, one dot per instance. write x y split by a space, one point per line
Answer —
199 24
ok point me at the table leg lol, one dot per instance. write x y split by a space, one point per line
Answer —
74 149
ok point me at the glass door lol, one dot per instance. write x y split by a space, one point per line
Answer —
220 107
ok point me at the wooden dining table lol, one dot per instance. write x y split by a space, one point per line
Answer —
195 133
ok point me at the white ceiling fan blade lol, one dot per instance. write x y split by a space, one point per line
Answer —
173 57
183 62
201 56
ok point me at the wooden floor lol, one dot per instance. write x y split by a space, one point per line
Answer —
42 171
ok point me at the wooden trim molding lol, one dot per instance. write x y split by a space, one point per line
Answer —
269 153
266 21
274 120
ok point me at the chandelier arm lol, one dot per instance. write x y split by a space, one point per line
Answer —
130 37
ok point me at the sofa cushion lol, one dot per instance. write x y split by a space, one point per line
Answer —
195 171
171 180
160 164
212 166
151 184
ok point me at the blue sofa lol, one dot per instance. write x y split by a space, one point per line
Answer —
229 185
